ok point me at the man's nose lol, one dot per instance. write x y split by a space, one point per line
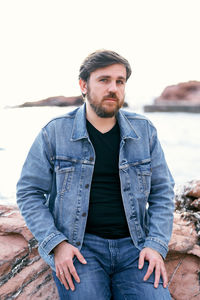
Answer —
112 87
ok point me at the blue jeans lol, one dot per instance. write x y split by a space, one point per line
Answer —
111 272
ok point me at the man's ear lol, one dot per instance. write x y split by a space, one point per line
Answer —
83 86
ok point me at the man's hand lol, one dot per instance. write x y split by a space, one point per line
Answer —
155 262
63 254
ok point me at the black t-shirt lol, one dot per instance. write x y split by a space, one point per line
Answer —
106 216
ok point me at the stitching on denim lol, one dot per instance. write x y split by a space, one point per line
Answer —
157 241
46 140
47 239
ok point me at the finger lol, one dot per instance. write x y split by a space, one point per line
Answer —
80 257
141 260
73 272
164 276
60 276
157 276
63 280
68 279
149 271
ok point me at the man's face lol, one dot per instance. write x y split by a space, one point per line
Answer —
105 90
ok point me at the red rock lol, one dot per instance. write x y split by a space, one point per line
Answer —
13 247
12 221
185 91
194 190
33 279
183 275
196 203
184 237
55 101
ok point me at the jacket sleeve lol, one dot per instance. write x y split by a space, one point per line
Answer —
33 188
161 199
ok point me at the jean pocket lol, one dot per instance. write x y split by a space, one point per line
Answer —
64 177
143 172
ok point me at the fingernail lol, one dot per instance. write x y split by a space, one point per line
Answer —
140 266
84 261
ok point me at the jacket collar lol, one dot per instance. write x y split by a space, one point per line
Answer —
127 130
79 130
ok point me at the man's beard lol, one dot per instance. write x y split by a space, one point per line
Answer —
102 111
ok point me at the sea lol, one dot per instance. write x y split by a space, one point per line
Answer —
179 134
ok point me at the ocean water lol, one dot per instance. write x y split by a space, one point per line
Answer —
179 135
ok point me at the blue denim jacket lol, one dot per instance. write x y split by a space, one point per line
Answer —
54 188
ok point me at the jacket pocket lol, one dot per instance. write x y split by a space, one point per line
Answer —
143 171
64 176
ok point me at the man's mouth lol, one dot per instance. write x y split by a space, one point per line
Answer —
110 98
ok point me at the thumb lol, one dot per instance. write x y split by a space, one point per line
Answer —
80 257
141 260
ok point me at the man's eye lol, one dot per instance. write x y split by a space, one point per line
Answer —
103 79
120 81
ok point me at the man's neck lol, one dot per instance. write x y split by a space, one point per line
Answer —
101 124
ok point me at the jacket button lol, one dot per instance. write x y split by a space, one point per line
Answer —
91 158
78 243
87 186
84 214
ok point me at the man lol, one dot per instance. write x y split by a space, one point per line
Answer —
97 194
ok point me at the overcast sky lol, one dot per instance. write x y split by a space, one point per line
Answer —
43 43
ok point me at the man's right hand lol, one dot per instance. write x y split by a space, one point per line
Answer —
64 254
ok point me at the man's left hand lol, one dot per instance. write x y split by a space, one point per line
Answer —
155 262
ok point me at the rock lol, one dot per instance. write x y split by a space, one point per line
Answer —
183 97
24 275
58 101
183 275
185 91
183 259
193 190
55 101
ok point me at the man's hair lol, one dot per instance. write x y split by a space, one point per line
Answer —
101 59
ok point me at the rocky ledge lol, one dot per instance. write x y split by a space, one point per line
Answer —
183 97
24 275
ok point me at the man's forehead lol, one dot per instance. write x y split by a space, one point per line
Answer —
116 70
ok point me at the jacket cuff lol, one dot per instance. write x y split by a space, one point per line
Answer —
156 244
51 242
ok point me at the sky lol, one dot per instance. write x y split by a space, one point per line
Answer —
43 43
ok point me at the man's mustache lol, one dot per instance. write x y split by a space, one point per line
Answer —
111 95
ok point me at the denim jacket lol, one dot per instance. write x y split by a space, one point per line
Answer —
54 188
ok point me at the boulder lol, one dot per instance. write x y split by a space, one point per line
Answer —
183 259
182 92
24 275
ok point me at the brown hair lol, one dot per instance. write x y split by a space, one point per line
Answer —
101 59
